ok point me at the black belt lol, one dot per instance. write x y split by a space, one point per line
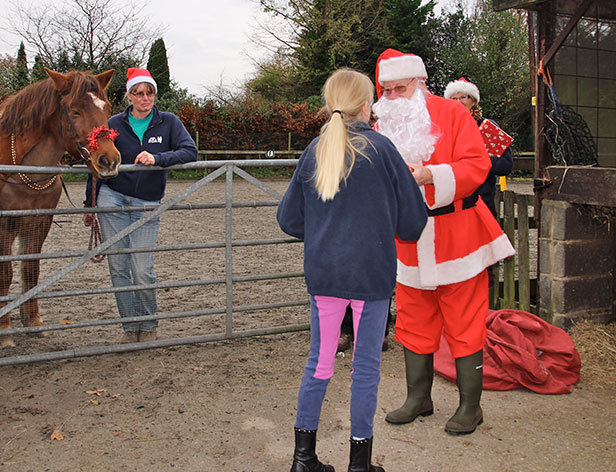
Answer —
468 202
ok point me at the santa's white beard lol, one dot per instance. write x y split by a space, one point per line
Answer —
407 123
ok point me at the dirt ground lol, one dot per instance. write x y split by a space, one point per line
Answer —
230 406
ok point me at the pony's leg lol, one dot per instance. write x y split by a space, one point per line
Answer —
32 234
7 236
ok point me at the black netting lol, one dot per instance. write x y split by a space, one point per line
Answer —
568 135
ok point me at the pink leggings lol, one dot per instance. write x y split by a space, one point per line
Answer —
369 319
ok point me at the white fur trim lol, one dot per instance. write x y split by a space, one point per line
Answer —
426 255
402 67
461 86
444 184
139 79
457 270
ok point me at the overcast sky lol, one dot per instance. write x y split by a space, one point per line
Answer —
207 41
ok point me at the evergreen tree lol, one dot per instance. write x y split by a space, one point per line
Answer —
409 28
63 62
117 87
22 76
330 34
453 49
159 67
78 63
38 71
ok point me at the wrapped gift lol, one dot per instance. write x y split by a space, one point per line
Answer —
495 139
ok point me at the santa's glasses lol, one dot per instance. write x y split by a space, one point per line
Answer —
398 89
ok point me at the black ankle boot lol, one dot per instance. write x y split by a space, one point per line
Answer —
361 456
304 457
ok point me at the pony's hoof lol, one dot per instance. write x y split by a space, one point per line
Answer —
6 342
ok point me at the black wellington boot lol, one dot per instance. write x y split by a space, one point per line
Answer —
419 375
361 456
304 457
468 416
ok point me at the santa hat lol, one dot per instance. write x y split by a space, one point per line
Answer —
396 65
136 76
462 86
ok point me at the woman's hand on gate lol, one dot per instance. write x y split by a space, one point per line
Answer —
144 157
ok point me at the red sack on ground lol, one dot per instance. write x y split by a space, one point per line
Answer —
521 351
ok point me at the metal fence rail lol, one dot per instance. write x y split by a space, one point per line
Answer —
218 169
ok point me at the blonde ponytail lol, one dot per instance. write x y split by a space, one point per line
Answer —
345 93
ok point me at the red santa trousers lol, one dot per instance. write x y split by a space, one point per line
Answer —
458 310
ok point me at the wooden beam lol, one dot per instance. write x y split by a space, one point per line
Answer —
565 32
584 185
500 5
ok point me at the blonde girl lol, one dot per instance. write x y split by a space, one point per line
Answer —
350 195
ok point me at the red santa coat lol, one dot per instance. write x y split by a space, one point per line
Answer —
455 246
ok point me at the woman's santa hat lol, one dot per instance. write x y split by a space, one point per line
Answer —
136 76
462 86
396 65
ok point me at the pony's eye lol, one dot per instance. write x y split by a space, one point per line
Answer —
75 114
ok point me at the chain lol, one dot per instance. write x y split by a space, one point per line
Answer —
25 179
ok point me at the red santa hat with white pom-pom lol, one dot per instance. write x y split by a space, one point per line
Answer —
462 86
395 65
136 76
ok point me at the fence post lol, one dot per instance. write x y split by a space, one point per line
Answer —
523 254
509 264
494 291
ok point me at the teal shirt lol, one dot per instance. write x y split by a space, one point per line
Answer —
140 125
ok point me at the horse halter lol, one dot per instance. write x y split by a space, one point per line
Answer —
97 133
80 147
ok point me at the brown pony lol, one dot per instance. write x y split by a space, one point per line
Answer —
65 113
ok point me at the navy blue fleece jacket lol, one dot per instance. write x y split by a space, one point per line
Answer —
166 139
349 242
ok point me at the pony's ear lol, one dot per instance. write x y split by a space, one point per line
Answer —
104 78
60 81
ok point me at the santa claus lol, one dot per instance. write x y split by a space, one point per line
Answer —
442 279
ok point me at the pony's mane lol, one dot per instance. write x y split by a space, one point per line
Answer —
31 108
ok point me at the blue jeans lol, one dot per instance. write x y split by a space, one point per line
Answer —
130 269
369 319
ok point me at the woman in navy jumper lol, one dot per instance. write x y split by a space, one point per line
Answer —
149 137
350 195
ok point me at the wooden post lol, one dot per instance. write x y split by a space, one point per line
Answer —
509 265
523 254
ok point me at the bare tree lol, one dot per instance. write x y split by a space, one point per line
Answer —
91 31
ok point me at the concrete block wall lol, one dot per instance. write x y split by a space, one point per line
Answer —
577 265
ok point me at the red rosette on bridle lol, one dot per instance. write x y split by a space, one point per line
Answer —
100 132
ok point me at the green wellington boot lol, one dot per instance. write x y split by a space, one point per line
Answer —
419 375
468 416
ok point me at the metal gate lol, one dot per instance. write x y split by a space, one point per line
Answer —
76 298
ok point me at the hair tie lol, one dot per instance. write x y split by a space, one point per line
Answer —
337 111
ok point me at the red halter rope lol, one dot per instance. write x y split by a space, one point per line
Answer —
100 132
92 221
